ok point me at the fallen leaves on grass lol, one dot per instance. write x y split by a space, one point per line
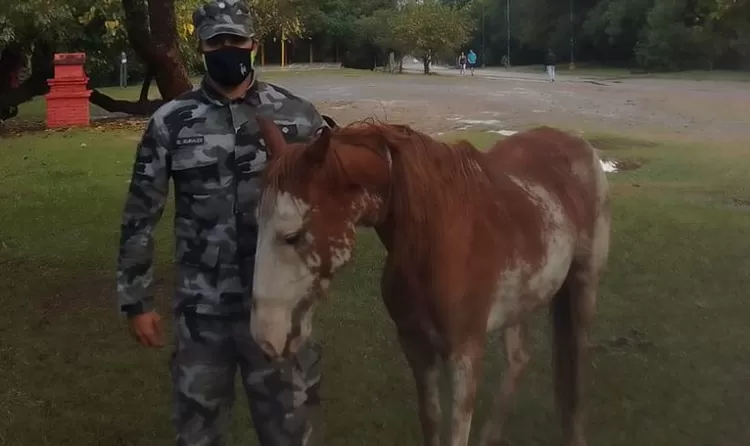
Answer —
17 128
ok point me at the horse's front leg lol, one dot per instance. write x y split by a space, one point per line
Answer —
466 371
425 365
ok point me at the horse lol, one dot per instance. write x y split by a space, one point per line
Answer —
476 242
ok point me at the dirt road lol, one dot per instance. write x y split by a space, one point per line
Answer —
700 110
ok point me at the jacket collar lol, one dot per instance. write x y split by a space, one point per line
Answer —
251 96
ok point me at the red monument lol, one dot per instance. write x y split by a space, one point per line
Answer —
68 97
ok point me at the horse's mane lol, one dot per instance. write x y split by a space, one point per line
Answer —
433 179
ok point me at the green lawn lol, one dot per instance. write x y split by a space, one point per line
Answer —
670 366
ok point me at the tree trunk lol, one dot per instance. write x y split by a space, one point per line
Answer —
152 33
146 85
41 70
157 47
11 59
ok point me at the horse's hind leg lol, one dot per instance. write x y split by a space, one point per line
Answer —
517 357
425 367
572 310
465 366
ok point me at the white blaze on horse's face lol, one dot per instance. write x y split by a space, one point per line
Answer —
282 278
290 272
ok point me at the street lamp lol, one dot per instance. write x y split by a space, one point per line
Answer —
484 37
572 65
507 25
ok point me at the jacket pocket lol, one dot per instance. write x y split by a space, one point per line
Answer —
196 174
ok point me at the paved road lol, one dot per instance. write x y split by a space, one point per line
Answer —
498 73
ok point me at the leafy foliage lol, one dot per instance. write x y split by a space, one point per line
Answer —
655 35
431 27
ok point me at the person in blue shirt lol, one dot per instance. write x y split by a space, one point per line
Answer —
472 58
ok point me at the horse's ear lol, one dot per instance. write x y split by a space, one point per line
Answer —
330 121
318 150
275 142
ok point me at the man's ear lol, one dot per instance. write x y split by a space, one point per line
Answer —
275 142
331 123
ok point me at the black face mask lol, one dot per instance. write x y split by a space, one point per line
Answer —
229 66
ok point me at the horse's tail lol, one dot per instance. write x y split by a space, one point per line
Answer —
569 322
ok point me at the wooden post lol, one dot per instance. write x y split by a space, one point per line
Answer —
283 48
262 54
311 52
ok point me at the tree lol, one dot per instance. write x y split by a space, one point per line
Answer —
277 17
159 32
26 32
430 28
151 30
152 33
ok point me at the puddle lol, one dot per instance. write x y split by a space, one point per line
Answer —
477 121
620 165
504 132
620 143
609 166
633 340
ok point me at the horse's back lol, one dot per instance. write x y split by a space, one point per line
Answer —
564 165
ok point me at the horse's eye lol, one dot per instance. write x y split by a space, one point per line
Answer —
293 239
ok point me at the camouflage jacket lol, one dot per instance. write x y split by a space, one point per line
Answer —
211 149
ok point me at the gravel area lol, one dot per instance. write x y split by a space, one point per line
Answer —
494 99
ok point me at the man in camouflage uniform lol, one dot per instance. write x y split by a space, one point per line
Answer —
208 142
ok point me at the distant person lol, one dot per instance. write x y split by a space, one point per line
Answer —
550 60
472 59
462 63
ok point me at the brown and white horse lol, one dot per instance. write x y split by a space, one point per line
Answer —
476 242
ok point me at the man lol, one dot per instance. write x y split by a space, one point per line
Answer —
549 61
207 141
472 58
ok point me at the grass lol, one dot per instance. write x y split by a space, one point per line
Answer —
670 362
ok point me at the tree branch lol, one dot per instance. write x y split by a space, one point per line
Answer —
140 108
42 68
146 84
10 100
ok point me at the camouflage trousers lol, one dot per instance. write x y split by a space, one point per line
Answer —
282 395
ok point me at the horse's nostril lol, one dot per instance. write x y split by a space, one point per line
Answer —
295 344
268 350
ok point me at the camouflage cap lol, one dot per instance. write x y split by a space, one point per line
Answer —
223 17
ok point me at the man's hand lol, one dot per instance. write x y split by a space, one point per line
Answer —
146 329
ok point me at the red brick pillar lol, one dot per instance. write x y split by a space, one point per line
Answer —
68 97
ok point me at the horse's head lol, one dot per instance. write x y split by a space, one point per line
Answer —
314 195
